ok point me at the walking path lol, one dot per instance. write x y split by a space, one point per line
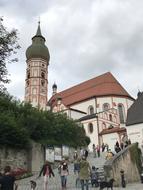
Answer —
54 182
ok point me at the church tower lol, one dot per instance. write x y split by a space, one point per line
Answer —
36 83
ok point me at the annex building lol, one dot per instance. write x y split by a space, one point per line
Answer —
100 104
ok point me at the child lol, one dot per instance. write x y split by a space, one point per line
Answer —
94 177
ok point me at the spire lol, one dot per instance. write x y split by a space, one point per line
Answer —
38 30
54 87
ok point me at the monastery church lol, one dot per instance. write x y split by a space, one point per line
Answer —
99 104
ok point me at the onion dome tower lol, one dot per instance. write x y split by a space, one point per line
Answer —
54 88
36 83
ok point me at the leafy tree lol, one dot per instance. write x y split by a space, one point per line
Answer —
8 47
20 123
11 134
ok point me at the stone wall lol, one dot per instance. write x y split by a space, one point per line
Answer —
13 157
30 159
122 161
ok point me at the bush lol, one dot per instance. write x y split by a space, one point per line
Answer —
21 173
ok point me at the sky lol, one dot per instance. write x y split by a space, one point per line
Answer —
85 38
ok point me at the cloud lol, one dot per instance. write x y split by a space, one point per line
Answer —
85 39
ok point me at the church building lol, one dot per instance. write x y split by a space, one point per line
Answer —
100 104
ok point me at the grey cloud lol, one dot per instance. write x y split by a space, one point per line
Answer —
85 38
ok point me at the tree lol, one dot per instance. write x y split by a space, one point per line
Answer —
8 47
20 123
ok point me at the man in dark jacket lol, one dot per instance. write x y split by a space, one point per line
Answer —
7 181
47 172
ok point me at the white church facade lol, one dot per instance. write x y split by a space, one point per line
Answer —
99 104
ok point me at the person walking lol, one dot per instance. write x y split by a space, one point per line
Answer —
47 171
103 147
76 162
84 173
109 155
7 181
86 153
64 172
98 150
94 150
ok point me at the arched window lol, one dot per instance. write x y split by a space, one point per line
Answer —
90 110
110 117
27 83
105 116
28 75
90 128
106 106
121 113
34 91
43 75
42 82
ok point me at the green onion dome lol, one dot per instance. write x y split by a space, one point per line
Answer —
38 49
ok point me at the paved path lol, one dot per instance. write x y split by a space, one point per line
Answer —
54 183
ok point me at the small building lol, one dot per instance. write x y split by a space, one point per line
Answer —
134 124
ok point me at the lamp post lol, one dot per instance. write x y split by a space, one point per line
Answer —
98 129
123 182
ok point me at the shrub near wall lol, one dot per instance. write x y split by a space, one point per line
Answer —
135 153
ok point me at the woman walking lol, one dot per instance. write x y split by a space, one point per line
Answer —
64 172
47 172
84 173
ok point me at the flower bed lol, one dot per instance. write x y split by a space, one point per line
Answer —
21 173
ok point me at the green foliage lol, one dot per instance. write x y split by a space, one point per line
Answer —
135 153
8 47
20 123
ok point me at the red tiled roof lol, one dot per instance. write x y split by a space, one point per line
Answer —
113 130
103 85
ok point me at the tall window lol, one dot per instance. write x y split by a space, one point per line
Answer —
42 82
105 115
28 74
34 91
110 117
121 113
106 106
90 128
43 75
90 110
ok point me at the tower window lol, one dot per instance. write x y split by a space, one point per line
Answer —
34 91
43 65
43 75
28 75
42 82
27 83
